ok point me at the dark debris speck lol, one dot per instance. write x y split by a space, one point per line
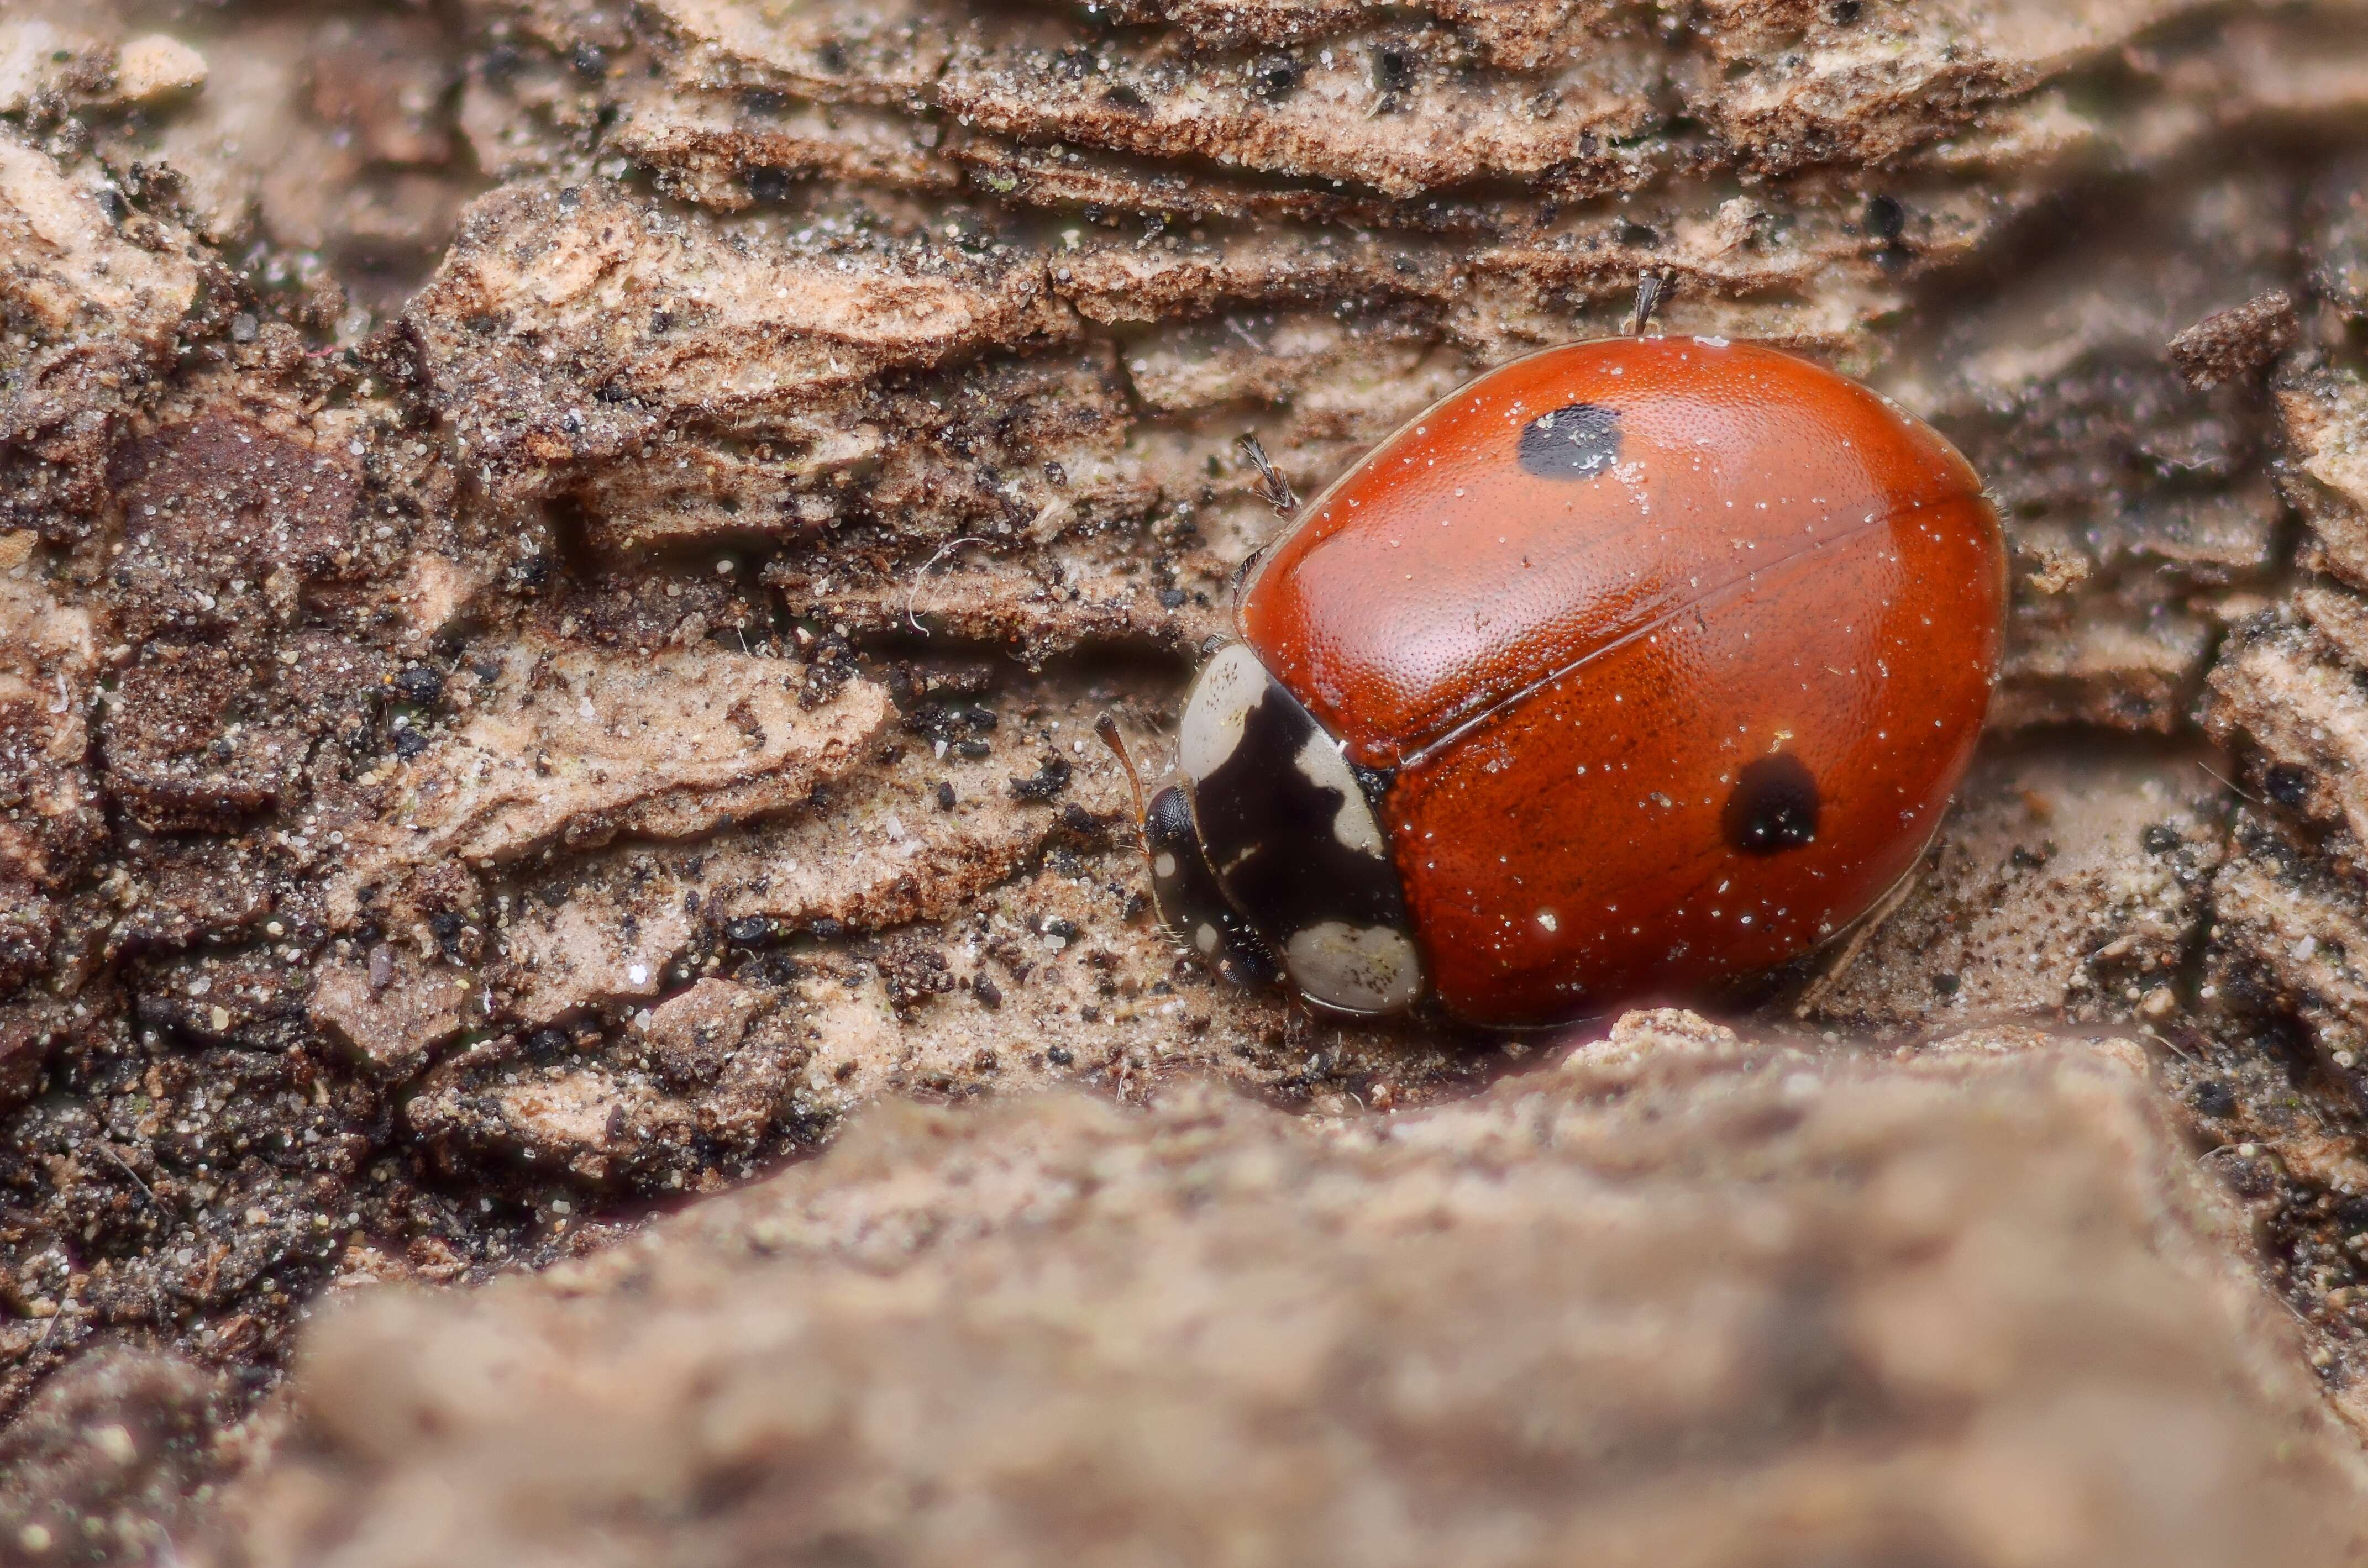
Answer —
1052 777
421 685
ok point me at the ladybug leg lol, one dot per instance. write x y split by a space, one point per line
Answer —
1278 494
1298 1023
1651 288
1276 487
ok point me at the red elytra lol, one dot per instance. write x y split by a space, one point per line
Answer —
1672 651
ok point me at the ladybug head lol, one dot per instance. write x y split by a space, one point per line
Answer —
1274 831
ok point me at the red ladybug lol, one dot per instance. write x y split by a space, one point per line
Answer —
1636 666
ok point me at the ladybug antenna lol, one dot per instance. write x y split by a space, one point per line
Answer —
1106 730
1651 290
1277 488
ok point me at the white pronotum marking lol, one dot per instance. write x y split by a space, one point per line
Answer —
1359 969
1353 824
1164 866
1229 686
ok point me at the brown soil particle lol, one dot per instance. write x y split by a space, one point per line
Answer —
559 565
2228 343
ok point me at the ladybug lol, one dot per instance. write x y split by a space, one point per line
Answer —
1636 665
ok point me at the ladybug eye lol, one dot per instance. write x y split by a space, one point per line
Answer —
1774 807
1577 441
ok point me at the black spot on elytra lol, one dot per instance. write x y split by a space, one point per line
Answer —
1579 440
1774 807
